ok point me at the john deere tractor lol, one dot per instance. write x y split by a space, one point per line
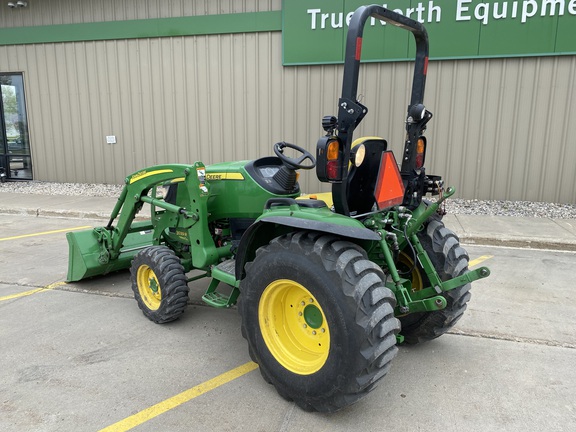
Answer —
327 285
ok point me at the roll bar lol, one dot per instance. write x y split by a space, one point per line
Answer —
351 112
354 48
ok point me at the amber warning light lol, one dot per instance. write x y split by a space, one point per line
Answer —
389 188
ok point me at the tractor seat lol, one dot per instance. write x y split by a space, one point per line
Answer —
362 179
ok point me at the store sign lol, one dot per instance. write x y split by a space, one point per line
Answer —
314 30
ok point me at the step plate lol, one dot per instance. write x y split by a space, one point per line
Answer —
228 266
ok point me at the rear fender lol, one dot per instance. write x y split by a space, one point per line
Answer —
277 221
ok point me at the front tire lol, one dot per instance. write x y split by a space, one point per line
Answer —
318 319
159 284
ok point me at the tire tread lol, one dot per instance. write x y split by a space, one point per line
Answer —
173 283
450 260
365 292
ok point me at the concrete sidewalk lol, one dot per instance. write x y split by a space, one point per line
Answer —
530 232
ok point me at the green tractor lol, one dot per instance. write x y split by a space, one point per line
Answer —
326 285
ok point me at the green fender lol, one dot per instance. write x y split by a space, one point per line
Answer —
284 215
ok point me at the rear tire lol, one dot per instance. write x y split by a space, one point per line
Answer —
318 319
159 284
450 260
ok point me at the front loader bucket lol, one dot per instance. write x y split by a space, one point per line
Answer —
85 252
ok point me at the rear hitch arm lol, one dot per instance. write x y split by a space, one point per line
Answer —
427 299
418 220
469 276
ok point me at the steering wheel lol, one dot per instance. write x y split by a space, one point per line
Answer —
294 163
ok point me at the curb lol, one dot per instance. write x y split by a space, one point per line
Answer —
519 242
55 213
72 214
466 239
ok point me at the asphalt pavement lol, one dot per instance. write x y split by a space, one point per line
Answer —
526 232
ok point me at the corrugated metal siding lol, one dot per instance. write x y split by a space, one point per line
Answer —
211 98
52 12
501 130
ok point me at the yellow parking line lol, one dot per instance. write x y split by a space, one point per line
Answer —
160 408
45 233
34 291
479 260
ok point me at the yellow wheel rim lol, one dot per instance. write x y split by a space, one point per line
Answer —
149 287
294 327
406 264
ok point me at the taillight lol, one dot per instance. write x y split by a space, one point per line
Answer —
332 170
420 152
329 159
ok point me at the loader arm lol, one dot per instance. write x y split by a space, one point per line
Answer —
135 194
112 247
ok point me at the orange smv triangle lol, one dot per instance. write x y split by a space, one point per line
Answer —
389 187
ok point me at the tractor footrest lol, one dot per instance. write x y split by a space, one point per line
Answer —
223 272
216 299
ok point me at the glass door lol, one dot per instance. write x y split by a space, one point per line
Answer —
15 158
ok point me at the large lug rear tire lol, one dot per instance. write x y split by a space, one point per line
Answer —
318 319
159 284
450 260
